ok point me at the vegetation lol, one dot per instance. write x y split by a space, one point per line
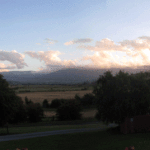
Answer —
121 96
57 102
87 101
32 129
38 97
114 96
105 140
27 101
45 103
69 110
10 104
50 88
34 112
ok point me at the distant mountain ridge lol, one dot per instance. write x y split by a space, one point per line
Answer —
65 76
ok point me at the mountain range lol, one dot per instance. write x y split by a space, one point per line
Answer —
64 76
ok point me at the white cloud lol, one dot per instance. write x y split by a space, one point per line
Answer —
136 53
9 66
51 60
107 54
38 43
50 41
14 57
104 45
4 70
78 41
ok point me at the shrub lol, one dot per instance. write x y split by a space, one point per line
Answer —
27 101
45 103
70 110
56 103
35 112
77 97
86 100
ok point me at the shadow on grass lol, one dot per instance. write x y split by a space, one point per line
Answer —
114 130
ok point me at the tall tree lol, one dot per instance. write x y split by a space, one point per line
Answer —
8 102
121 96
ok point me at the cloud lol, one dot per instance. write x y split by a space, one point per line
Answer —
4 70
50 41
78 41
38 43
14 57
106 54
51 59
9 66
104 45
132 53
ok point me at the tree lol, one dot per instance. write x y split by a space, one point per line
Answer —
35 112
121 96
45 103
87 100
9 102
70 110
57 102
27 101
21 113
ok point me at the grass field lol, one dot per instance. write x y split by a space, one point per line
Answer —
38 97
85 113
32 129
93 140
49 88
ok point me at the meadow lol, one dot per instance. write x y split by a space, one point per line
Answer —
49 88
47 124
39 93
107 139
38 97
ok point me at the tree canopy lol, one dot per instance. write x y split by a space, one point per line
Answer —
121 96
9 102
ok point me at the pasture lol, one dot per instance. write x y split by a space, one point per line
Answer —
49 88
38 97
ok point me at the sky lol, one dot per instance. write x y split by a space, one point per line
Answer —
48 35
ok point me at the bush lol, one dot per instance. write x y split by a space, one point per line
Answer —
45 103
70 110
27 101
86 100
56 103
35 112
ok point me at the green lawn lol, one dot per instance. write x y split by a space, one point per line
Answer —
32 129
93 140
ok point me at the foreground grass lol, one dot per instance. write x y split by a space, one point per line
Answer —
93 140
32 129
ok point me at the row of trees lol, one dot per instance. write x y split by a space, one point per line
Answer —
87 100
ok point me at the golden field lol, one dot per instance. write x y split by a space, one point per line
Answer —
38 97
85 113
